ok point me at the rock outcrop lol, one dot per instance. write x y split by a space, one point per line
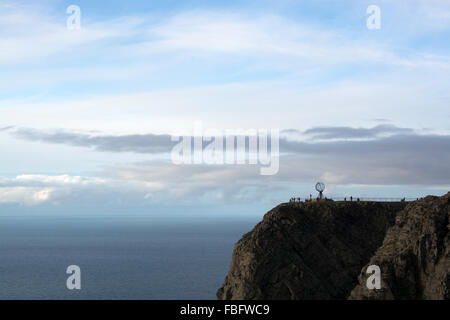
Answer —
320 250
312 250
415 256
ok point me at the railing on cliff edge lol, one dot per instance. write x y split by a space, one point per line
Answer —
386 199
355 199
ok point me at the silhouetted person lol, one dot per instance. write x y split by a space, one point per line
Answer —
351 198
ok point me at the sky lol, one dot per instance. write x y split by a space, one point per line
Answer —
87 115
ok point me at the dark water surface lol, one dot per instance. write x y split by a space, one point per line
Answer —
120 257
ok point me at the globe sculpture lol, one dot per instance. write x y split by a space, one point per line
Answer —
320 186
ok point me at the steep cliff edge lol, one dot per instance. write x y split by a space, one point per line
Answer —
414 259
311 250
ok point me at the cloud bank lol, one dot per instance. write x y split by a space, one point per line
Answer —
380 155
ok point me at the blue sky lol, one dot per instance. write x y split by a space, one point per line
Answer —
153 67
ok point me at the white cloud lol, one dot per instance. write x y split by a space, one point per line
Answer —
409 87
62 179
32 189
28 34
266 42
259 105
271 40
25 195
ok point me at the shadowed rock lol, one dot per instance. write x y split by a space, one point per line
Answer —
414 259
311 250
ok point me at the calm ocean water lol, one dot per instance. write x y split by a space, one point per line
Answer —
120 257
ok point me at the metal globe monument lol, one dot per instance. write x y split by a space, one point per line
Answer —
320 187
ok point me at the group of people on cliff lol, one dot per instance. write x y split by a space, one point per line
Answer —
294 199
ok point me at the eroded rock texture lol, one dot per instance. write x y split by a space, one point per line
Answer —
311 250
320 250
414 259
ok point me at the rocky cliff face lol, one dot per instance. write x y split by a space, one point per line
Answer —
311 250
316 250
415 256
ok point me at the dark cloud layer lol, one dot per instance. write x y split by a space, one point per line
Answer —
146 143
391 156
6 128
398 159
355 133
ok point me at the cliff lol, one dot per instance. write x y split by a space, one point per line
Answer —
312 250
316 250
414 258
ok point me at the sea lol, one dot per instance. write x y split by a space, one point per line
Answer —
120 257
